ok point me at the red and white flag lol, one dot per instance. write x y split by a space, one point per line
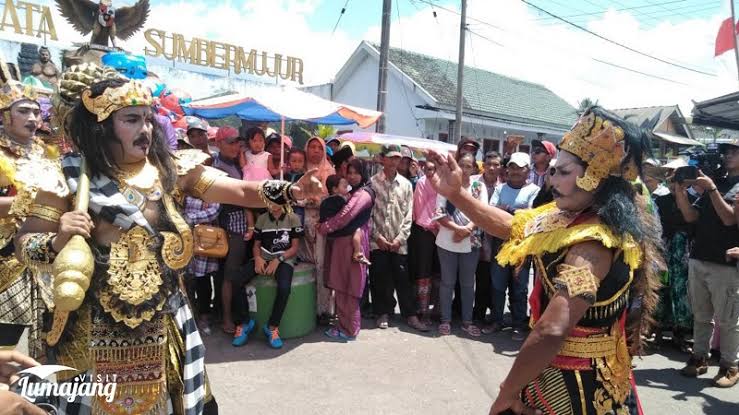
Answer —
726 33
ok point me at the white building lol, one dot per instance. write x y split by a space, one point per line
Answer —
422 95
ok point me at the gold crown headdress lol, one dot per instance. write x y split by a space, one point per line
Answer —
601 145
14 91
132 93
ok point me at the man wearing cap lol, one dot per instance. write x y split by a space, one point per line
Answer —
197 133
713 279
515 194
24 165
408 165
468 145
542 153
392 216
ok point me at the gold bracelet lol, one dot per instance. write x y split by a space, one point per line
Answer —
45 212
201 186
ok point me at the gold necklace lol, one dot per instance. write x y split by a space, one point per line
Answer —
139 184
33 147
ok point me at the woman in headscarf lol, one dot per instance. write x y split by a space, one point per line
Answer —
344 275
312 246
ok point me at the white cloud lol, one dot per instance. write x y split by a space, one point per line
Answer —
560 57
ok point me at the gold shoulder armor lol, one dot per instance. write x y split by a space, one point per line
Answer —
186 160
42 174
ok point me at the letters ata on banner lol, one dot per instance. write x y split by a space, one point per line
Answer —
25 18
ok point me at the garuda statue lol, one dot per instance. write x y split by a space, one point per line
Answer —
103 20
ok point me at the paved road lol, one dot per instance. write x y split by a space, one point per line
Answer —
397 371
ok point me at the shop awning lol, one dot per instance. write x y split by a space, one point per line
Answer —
274 104
676 139
373 141
722 112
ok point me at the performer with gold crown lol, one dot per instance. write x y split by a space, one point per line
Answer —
127 315
23 161
594 247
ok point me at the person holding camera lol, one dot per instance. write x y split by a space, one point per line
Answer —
713 283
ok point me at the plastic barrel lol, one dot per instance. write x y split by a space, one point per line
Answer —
299 318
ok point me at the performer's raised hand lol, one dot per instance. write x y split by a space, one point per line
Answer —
71 224
448 178
308 186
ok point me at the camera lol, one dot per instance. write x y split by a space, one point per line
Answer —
707 159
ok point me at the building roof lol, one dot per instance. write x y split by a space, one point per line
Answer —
484 92
640 115
721 112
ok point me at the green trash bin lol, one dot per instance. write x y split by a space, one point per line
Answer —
299 318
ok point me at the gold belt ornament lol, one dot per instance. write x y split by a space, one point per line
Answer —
589 347
133 279
10 270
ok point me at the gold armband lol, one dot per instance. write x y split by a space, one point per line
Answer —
45 212
204 182
577 281
21 203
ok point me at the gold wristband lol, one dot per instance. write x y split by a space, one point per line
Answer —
204 182
45 212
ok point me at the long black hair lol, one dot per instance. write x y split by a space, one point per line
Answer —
94 140
620 207
359 166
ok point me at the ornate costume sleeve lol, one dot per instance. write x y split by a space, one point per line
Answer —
577 282
360 201
36 250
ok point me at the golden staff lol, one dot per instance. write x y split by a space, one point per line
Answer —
73 266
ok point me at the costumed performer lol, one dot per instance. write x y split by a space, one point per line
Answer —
593 248
24 163
134 321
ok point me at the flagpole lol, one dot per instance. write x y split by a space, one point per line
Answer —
733 37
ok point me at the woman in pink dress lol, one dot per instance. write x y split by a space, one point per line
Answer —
345 276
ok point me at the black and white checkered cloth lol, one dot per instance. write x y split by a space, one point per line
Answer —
106 200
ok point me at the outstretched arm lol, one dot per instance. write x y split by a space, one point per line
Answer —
448 182
204 185
563 312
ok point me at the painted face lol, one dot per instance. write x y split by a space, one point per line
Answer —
492 166
24 119
198 138
315 152
353 176
256 144
297 162
390 164
133 128
229 147
566 194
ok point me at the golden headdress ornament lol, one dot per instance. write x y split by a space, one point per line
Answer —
14 91
132 93
601 144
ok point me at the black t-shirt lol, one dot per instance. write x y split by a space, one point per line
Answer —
670 215
712 238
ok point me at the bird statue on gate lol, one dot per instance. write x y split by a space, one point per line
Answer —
104 21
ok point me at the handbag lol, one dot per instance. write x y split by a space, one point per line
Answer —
210 241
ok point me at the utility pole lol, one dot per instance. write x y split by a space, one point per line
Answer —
384 55
733 37
460 74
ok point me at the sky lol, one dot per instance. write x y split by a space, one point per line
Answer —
508 37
